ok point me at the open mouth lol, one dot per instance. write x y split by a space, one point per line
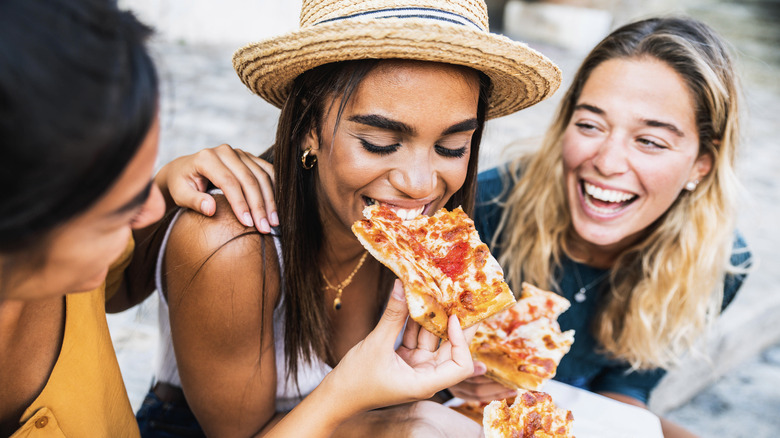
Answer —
403 213
605 201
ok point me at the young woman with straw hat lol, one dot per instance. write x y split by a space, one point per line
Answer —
382 101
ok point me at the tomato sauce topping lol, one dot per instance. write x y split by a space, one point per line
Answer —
454 263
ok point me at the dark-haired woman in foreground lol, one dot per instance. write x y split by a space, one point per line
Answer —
79 133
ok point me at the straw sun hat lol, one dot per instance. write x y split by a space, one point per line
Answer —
447 31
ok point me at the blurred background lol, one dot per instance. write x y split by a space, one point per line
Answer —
735 392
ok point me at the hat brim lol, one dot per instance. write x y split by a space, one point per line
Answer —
520 76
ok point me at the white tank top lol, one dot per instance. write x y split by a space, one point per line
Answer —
287 395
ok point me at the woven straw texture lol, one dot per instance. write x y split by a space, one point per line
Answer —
520 76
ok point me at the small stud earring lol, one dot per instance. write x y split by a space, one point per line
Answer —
307 163
691 185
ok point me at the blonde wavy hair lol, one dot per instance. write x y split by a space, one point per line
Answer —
666 289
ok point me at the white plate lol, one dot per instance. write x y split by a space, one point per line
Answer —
596 416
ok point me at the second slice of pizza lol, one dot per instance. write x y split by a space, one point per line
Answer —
523 345
444 266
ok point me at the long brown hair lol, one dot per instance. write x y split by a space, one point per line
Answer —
306 322
668 287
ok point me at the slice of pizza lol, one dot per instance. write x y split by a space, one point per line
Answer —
444 266
532 415
523 345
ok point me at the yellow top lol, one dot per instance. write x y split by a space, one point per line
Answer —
85 395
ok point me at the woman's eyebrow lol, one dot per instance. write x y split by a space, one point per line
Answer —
648 122
382 122
592 108
137 201
466 125
666 125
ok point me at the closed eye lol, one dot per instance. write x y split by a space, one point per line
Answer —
651 144
585 126
379 150
451 153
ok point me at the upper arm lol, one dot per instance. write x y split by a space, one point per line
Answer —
222 284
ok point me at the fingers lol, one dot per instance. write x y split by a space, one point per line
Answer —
479 369
241 181
263 173
411 333
470 332
481 388
460 346
246 181
395 314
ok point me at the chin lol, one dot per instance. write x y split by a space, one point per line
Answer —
598 235
91 284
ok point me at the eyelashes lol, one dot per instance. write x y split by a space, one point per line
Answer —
379 150
452 153
386 150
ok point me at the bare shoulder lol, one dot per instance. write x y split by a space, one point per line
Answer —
220 260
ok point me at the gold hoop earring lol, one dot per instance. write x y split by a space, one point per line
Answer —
305 162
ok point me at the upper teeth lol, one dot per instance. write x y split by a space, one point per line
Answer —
408 214
607 195
403 213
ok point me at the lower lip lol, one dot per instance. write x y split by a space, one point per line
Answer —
591 211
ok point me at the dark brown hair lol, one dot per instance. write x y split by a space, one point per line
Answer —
306 323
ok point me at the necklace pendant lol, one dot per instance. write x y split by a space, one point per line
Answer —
337 303
580 295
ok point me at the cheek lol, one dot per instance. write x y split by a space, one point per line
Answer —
572 155
454 172
661 178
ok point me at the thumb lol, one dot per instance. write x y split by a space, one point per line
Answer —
189 196
396 312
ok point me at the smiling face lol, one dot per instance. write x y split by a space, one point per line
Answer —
79 252
629 149
403 140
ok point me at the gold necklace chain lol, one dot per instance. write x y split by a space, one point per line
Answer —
340 287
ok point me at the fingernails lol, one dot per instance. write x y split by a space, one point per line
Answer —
264 227
479 368
274 219
247 220
205 207
398 292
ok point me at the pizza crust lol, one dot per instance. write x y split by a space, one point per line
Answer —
443 265
503 370
522 346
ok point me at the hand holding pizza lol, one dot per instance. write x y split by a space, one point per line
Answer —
420 367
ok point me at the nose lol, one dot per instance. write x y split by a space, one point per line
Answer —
153 209
611 156
415 178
